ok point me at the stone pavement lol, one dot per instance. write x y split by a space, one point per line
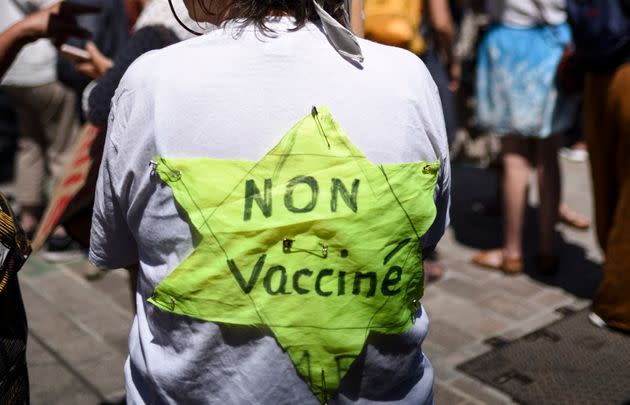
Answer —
78 328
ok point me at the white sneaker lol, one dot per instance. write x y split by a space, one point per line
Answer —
66 256
596 320
574 155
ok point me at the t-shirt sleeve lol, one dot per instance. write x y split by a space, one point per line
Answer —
112 244
433 118
442 199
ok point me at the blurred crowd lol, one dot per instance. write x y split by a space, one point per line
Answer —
522 83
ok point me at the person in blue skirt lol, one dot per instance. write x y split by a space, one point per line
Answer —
518 99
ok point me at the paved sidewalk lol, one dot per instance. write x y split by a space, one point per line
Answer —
78 328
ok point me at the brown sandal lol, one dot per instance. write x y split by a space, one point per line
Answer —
488 259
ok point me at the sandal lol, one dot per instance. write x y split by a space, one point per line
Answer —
573 219
496 260
433 271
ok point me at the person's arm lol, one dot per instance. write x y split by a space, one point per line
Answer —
441 23
356 17
57 21
19 34
142 41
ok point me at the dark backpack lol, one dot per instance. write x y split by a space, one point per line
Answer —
601 33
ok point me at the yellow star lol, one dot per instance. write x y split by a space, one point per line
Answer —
312 241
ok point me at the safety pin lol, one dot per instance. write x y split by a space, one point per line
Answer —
287 247
173 175
430 168
154 165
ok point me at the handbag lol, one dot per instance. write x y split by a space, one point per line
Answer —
569 77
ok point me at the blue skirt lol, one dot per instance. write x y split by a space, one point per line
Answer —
516 91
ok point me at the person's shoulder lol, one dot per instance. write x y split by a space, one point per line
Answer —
390 54
404 71
158 64
401 64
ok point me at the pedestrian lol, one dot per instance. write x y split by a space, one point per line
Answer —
445 68
110 32
47 119
303 241
602 50
517 98
58 21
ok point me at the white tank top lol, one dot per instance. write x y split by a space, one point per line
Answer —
527 13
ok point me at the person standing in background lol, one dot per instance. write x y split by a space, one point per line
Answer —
425 28
602 49
152 14
110 32
441 61
517 98
57 20
445 69
46 113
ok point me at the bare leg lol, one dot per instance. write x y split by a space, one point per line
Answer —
549 187
516 166
516 156
29 218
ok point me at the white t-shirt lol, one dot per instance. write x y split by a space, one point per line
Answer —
35 64
225 95
527 13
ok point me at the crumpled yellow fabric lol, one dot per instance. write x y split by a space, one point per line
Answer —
313 241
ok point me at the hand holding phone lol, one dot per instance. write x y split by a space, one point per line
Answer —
74 54
96 64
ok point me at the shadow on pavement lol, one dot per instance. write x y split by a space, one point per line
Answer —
476 223
577 274
476 206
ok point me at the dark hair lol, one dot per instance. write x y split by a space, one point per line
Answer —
257 11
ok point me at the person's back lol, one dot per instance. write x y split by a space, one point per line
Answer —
233 94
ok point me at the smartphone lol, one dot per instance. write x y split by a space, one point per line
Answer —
74 54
